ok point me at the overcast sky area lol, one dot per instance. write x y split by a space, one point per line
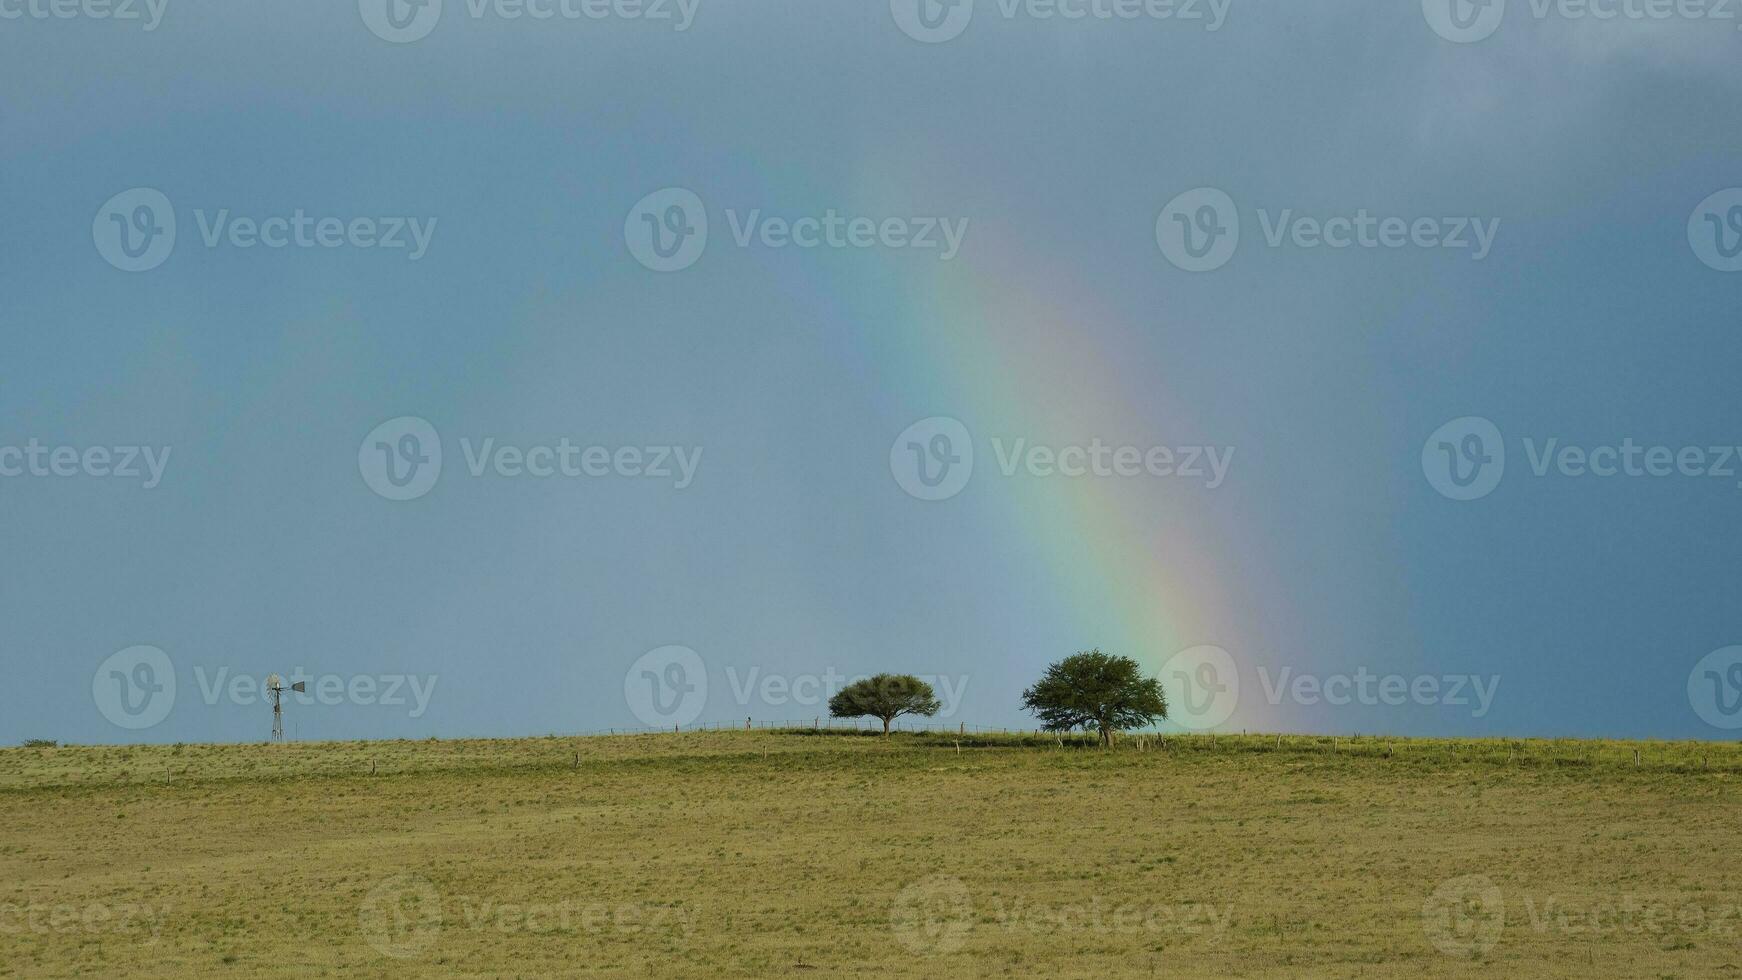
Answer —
670 363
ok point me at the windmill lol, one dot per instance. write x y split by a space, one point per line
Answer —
275 687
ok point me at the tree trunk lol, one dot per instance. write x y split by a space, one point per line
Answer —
886 727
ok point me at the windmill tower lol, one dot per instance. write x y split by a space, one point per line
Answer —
275 689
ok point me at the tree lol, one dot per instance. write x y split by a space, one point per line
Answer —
886 696
1096 690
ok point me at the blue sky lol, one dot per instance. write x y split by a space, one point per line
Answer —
787 376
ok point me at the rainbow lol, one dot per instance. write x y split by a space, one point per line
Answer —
1133 567
1139 567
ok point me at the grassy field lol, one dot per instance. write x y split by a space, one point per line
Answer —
798 854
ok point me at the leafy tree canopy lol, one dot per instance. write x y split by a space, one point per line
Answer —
885 696
1097 691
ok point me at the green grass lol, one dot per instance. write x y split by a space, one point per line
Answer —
770 853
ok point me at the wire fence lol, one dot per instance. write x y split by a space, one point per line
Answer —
22 769
814 723
1560 751
1557 752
